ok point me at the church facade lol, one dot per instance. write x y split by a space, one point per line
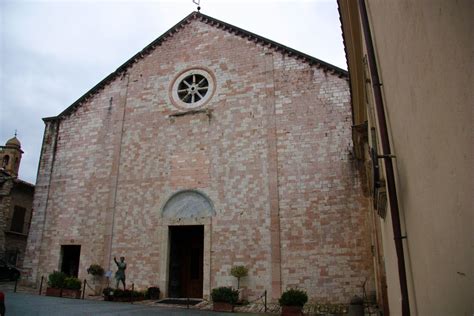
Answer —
210 148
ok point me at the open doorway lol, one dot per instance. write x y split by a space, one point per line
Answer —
186 261
70 255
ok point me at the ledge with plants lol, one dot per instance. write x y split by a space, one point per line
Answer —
292 302
224 299
153 293
118 295
59 284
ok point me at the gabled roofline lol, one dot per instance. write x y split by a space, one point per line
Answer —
211 21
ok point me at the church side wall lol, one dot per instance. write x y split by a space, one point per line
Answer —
35 236
325 238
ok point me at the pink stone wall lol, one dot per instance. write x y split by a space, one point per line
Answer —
272 156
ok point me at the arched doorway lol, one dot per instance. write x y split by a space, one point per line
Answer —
187 216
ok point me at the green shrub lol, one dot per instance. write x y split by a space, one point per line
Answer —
121 293
95 269
293 297
138 294
239 272
108 291
56 279
72 283
153 292
225 295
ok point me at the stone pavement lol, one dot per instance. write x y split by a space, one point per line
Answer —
26 301
27 304
20 304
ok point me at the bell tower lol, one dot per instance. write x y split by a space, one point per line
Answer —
10 156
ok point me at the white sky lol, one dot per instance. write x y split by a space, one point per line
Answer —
52 52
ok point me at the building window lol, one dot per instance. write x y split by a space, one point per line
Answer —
192 88
18 219
6 160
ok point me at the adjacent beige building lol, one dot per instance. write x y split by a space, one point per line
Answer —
410 66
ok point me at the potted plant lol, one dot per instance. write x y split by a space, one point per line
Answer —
55 283
239 272
95 270
119 295
97 273
72 287
138 295
108 293
292 302
224 298
153 293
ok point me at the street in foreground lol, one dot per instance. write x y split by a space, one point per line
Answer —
28 304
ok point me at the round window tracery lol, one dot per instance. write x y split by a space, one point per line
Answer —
192 88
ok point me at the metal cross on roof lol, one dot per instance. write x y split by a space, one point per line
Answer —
197 2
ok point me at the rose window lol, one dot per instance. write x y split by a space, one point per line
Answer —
192 88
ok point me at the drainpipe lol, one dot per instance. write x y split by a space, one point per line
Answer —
387 156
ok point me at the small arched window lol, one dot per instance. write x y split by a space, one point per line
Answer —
6 160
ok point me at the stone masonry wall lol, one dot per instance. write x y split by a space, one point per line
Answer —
324 223
31 262
272 152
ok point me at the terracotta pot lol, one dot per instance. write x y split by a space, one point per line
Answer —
108 298
63 292
222 307
291 310
71 293
51 291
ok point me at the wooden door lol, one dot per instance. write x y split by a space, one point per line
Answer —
186 261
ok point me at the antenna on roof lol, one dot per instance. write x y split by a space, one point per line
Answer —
15 133
197 2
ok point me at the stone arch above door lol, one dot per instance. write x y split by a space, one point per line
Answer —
188 204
